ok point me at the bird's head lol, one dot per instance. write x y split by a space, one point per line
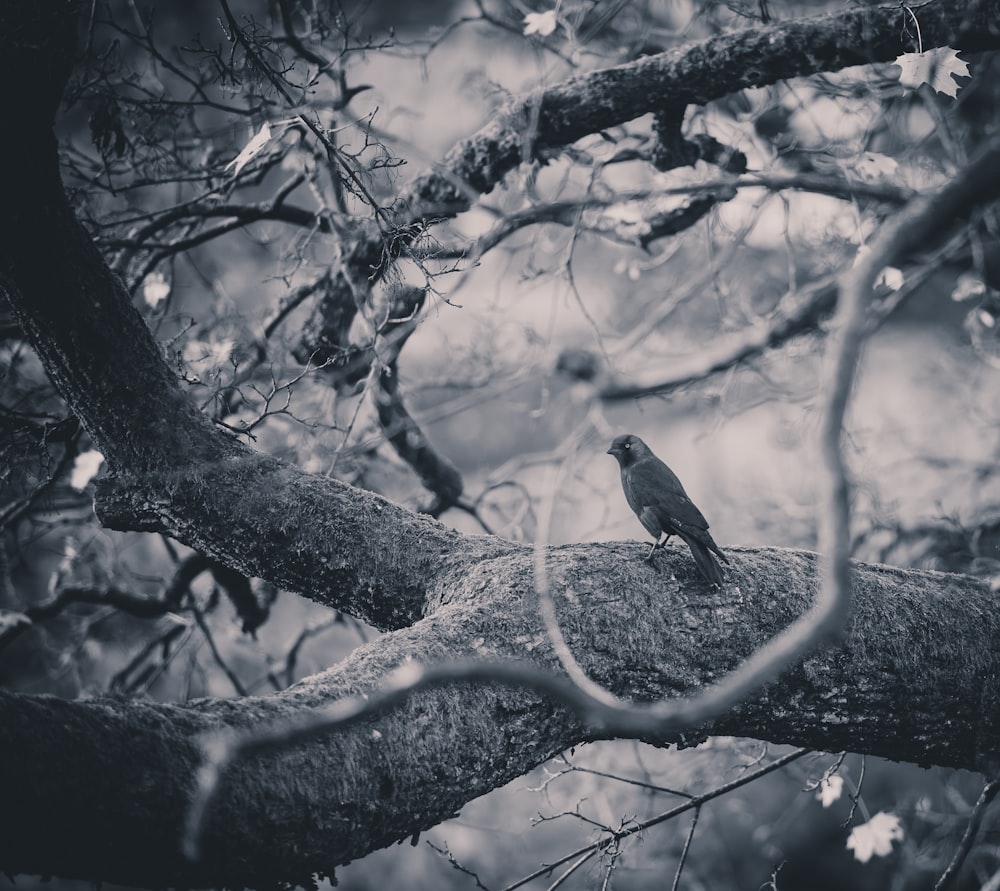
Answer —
628 448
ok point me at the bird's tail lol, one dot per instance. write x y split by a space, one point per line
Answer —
715 549
707 564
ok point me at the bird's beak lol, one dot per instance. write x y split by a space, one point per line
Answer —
610 451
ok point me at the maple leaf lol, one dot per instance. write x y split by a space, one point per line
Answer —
875 837
891 277
85 468
968 287
830 789
155 289
540 23
874 167
11 619
937 67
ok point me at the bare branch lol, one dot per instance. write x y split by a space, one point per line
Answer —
986 797
799 313
436 472
695 803
684 851
223 748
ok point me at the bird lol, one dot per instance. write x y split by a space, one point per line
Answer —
653 491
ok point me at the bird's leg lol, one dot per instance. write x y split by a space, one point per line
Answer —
656 544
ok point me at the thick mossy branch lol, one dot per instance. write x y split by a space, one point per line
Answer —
696 73
345 547
915 678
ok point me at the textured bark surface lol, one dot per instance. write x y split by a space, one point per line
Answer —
695 73
345 547
101 786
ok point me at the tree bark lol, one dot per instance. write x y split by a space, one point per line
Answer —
77 313
552 117
100 788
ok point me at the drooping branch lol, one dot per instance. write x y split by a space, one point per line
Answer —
436 472
672 149
236 586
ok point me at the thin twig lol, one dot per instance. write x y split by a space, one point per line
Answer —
216 654
684 851
444 852
694 803
975 820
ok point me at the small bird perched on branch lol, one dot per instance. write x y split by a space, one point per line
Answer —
662 506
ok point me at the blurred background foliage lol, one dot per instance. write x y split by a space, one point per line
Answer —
505 370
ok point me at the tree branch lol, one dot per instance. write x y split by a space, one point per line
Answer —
536 126
696 73
436 472
78 315
919 644
807 310
969 836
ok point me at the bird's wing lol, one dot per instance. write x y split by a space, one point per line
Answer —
650 521
657 488
640 505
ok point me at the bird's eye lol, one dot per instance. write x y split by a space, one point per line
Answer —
628 445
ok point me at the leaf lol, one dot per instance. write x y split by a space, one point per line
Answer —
968 287
937 67
890 277
830 789
85 468
253 148
155 289
875 837
540 23
11 619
